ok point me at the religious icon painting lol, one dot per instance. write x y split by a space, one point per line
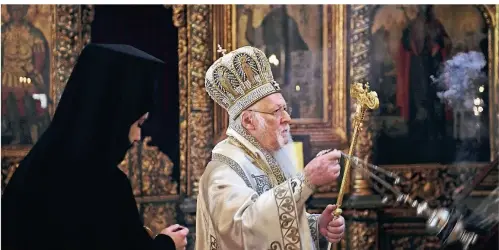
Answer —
410 46
26 55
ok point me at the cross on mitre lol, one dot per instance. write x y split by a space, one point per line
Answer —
276 85
221 50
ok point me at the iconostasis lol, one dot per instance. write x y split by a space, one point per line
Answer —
316 52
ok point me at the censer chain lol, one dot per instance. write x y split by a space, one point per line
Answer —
365 166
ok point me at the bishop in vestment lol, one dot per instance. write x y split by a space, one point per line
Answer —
251 195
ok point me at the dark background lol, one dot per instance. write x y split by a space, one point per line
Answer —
148 28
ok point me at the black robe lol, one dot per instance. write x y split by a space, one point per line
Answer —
68 192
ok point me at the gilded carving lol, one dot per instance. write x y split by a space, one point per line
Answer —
200 138
403 229
72 26
149 170
361 235
222 17
131 167
359 43
360 214
434 184
156 172
179 20
428 242
415 242
408 236
363 150
359 72
364 145
9 166
200 60
159 216
196 126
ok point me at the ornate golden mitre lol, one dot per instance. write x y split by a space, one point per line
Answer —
239 79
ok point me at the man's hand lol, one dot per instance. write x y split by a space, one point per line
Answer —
324 169
178 235
330 227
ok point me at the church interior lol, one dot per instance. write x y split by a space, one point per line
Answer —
433 134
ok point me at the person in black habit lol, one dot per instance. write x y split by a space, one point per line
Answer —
68 192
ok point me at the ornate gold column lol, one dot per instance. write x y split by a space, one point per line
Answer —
196 126
359 31
361 186
72 32
195 30
223 32
179 20
362 225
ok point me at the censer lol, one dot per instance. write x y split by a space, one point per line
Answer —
448 225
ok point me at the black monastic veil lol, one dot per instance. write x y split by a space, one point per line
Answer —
68 192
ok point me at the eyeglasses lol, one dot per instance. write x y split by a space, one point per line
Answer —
278 113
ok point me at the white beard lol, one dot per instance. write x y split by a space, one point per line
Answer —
285 155
285 158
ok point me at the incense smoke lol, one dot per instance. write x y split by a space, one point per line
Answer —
461 79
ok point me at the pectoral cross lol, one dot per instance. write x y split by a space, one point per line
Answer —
221 50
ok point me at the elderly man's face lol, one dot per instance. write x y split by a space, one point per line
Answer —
268 121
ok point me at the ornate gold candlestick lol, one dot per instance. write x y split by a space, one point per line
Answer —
365 100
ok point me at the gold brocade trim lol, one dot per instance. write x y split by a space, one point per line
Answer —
271 161
276 245
283 191
313 224
301 176
232 164
262 183
213 243
259 162
288 216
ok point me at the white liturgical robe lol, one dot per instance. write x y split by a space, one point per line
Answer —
246 201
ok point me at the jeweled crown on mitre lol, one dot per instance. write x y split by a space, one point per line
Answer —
239 79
